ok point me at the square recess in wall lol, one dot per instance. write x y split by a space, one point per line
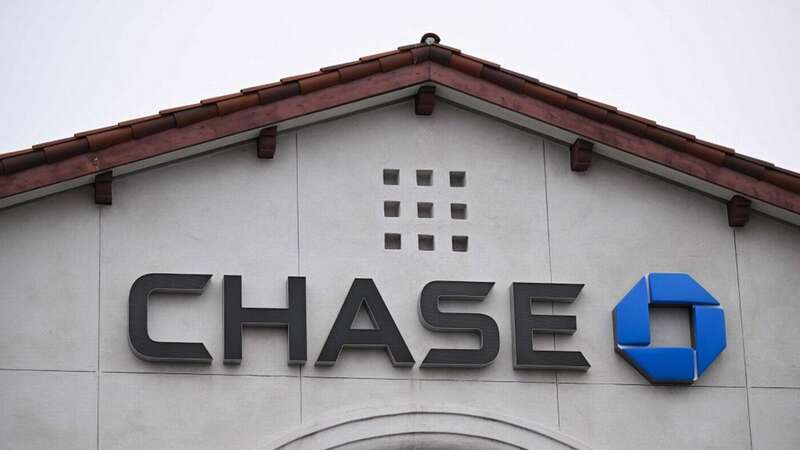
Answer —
460 243
458 211
391 241
425 242
391 177
458 179
424 178
425 210
391 208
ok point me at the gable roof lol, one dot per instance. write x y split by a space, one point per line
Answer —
51 166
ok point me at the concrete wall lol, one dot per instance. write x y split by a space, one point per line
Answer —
69 379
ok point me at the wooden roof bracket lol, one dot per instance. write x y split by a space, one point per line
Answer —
102 188
425 100
267 142
738 211
580 155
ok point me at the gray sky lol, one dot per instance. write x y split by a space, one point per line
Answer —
726 71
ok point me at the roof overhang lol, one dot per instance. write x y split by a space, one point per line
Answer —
653 159
181 143
382 88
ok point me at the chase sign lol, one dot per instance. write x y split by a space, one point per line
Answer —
669 364
630 317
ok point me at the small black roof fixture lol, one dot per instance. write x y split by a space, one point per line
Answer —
430 38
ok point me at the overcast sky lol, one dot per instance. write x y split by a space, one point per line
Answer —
726 71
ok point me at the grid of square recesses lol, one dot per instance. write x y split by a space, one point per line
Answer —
392 209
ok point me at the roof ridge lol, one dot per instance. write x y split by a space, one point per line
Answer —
429 49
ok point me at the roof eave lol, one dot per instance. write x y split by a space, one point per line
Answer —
342 89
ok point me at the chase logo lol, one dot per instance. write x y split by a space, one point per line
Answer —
669 364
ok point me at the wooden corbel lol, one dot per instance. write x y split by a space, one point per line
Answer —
580 155
425 100
267 141
738 211
102 188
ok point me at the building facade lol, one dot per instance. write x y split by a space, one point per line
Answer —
329 206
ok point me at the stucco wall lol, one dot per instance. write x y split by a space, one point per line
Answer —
69 379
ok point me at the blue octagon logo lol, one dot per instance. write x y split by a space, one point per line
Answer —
669 364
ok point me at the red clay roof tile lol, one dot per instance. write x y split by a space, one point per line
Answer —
42 145
501 78
20 162
378 55
189 116
705 153
664 137
108 138
452 49
279 92
338 66
744 166
95 131
546 95
478 60
237 103
625 122
350 73
300 77
586 109
21 151
179 108
421 54
153 126
440 55
220 98
66 150
558 89
410 46
318 82
520 75
138 119
392 62
468 66
260 87
721 148
99 139
689 136
780 169
781 179
598 104
758 161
